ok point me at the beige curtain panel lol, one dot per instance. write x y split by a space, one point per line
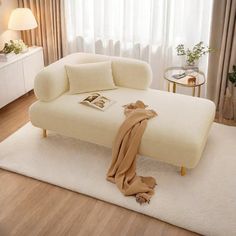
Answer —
49 32
223 42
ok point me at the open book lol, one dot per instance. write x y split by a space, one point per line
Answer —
98 101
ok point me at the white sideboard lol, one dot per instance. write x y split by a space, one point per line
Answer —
17 75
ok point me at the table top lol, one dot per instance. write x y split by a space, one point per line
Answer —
199 75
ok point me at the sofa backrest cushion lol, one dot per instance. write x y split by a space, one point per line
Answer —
90 77
52 81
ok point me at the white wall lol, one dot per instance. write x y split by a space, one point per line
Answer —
6 6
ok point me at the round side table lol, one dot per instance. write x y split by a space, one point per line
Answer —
199 75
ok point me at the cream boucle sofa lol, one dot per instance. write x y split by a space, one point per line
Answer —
176 136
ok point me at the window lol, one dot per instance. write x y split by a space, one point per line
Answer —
143 29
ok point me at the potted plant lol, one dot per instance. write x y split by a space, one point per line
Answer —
193 55
11 48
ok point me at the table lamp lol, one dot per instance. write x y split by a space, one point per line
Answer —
22 19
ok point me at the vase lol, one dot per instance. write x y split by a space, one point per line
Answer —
189 66
6 57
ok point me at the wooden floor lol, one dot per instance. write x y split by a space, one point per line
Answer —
30 207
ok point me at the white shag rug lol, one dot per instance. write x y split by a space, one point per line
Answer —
203 201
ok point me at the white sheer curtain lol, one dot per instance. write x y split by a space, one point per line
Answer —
144 29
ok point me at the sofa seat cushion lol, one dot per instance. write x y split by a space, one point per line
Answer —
176 136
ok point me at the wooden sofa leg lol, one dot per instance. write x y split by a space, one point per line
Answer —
44 133
183 171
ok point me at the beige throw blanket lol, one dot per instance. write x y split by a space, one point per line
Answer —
122 171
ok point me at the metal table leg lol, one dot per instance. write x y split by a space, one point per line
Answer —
193 93
174 87
199 91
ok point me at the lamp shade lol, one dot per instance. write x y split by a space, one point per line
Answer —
22 19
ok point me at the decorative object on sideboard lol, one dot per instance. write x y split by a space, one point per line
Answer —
11 49
191 56
6 57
